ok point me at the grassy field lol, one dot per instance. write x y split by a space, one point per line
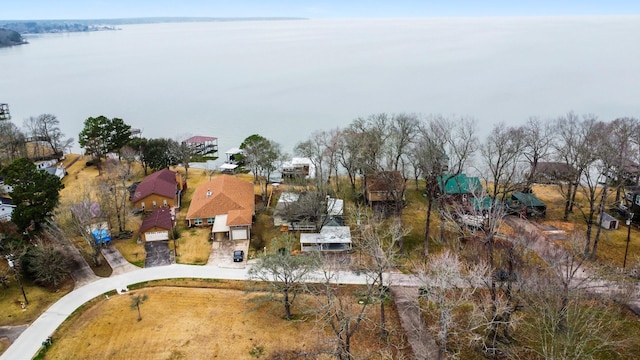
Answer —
196 323
612 242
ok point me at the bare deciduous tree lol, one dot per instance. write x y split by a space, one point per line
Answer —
573 149
569 320
45 128
538 140
337 309
284 272
379 240
448 287
403 129
12 142
113 191
444 148
501 154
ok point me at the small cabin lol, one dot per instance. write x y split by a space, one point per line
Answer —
526 205
329 239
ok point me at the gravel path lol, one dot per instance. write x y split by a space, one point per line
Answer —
423 345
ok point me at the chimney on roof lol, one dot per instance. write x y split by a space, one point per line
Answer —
208 192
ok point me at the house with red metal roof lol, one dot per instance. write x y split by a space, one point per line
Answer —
161 189
157 226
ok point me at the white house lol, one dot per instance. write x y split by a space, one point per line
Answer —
330 238
6 208
299 167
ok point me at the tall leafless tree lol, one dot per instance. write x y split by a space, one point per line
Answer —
501 157
46 128
379 240
284 272
337 310
403 129
443 150
12 142
113 191
347 147
623 132
573 149
569 320
538 140
448 286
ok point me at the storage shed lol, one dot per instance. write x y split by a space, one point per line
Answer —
608 222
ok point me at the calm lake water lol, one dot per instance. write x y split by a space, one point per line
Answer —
286 79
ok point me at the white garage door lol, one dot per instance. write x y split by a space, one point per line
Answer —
157 236
239 234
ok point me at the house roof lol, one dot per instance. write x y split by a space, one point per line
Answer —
528 200
384 181
335 207
228 166
556 170
200 139
160 217
328 235
161 182
224 194
483 204
459 184
234 151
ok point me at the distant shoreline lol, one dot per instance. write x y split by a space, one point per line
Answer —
57 26
26 27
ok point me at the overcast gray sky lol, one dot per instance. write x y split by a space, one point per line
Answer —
84 9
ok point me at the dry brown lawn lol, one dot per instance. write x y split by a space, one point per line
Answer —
612 242
39 300
193 246
191 323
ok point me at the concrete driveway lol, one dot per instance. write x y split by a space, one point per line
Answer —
222 253
158 254
118 263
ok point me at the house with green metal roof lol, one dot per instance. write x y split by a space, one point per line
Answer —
526 204
460 186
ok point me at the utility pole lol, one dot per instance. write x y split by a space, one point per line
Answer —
626 250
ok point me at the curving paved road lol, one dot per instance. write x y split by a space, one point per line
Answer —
29 342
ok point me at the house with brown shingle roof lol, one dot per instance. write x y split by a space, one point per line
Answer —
161 189
384 191
157 226
225 203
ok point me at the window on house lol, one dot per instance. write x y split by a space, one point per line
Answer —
154 203
142 205
210 221
197 221
165 202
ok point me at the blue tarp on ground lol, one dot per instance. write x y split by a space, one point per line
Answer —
101 236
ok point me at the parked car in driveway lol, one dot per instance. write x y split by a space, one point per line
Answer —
238 255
